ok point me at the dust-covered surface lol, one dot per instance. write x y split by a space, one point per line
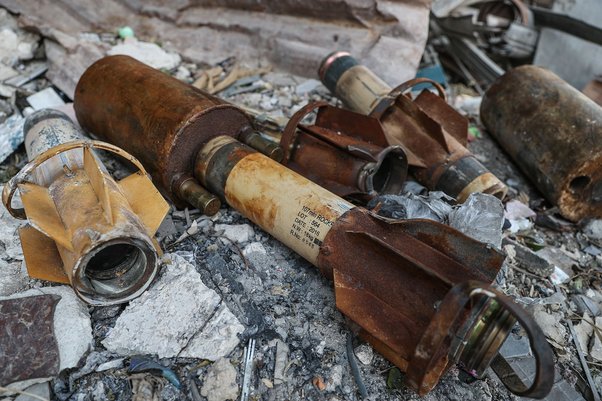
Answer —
289 308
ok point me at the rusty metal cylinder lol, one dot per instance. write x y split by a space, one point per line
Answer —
159 119
432 133
553 133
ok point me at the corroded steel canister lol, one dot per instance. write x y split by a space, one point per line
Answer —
159 119
379 265
432 133
553 132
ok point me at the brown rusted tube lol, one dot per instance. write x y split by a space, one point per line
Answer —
432 133
553 132
160 120
379 266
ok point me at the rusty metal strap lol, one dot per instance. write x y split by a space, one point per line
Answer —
427 356
388 101
10 188
289 135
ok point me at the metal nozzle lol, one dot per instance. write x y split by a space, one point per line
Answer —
199 197
255 140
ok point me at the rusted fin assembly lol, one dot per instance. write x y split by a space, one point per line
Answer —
345 152
379 265
553 132
431 132
106 253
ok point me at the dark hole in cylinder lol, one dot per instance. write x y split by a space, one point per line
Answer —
579 183
382 175
112 261
389 177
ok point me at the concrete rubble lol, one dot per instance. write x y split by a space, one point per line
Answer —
220 382
177 316
72 328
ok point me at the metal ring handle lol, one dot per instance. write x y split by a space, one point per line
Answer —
388 100
10 188
290 131
431 355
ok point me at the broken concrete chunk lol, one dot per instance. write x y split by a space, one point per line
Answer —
220 382
550 323
65 67
593 229
595 351
11 135
364 353
164 318
281 361
177 313
237 233
307 86
45 99
148 53
28 347
515 210
557 257
16 45
527 259
256 253
217 339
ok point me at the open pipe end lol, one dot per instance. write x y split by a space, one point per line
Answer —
115 271
388 175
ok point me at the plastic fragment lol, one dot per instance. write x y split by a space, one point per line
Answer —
145 364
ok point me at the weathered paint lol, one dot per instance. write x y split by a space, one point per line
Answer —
378 265
293 209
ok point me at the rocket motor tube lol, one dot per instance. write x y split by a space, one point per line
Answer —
300 216
377 266
440 163
106 254
553 133
161 120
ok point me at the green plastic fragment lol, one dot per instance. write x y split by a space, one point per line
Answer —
125 32
474 131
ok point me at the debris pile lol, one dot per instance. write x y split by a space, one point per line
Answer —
476 281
